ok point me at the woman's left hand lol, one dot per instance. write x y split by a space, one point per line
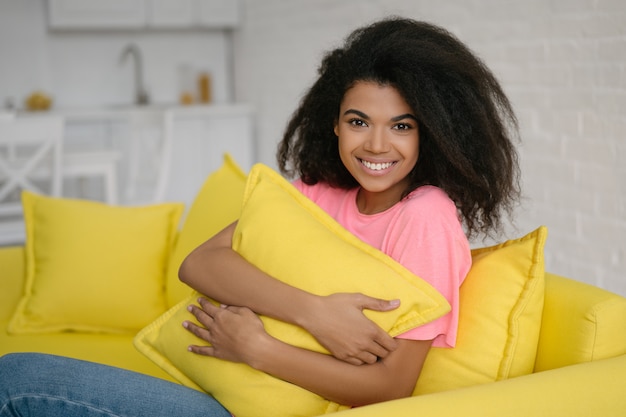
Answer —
232 332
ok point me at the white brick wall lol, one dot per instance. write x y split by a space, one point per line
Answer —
563 64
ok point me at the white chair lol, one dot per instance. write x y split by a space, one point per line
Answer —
28 147
150 146
166 157
97 163
90 165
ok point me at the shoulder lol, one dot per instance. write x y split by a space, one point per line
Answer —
428 214
430 199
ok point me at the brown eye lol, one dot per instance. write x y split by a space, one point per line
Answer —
403 126
357 122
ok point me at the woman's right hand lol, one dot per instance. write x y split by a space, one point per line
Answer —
340 326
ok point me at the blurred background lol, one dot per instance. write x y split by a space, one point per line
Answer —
562 63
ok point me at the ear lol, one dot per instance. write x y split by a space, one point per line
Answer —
336 128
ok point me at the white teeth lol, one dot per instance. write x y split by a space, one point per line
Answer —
377 166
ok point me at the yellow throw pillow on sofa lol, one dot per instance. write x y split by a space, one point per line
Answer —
217 205
292 239
93 267
500 312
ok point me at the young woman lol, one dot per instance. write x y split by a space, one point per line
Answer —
401 138
405 139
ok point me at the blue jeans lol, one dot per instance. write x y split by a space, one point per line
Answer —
33 384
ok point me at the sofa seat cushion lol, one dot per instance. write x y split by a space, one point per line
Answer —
110 349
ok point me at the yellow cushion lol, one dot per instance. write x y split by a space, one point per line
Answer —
500 312
93 267
292 239
11 279
216 206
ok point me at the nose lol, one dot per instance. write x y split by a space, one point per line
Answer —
377 141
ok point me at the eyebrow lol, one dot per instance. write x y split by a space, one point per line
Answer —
393 119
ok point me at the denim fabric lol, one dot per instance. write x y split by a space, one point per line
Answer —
33 384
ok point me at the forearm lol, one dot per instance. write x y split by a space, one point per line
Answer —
219 272
391 378
336 321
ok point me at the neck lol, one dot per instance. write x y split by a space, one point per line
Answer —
372 203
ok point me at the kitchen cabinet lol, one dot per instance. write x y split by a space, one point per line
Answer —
219 13
193 13
201 135
143 14
171 13
96 14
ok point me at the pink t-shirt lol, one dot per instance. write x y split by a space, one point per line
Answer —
421 232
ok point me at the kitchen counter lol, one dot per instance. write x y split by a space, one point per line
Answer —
167 149
123 111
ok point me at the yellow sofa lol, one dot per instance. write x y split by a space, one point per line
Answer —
580 367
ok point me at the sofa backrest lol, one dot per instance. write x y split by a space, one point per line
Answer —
217 204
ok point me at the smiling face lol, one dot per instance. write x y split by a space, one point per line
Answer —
378 143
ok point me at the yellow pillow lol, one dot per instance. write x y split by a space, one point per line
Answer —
11 279
93 267
292 239
217 205
500 311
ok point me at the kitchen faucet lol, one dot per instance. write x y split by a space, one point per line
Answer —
141 95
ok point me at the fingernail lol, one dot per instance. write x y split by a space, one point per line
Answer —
189 308
185 324
394 303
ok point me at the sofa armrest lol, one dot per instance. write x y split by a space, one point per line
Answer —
581 323
590 389
11 279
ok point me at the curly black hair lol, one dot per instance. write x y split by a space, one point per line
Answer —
466 122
